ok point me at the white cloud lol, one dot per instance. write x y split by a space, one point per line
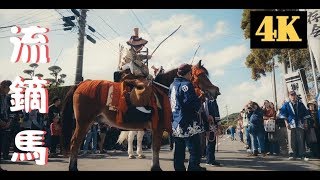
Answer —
240 94
101 59
124 11
226 55
218 72
189 25
179 47
219 29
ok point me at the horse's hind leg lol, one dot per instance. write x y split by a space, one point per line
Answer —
130 144
84 117
76 141
139 144
156 144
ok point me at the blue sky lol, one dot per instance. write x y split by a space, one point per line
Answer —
223 48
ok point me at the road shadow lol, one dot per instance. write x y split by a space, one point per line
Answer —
263 163
18 162
60 160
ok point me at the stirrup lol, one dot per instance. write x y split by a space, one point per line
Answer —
143 109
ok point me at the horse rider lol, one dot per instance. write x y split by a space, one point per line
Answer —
134 58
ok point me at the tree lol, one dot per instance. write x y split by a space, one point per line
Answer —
55 70
34 66
39 75
260 60
29 72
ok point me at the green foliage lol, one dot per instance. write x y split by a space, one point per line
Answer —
245 23
232 119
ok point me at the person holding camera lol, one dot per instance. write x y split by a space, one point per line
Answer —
256 129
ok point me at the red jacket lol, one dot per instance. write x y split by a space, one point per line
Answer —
55 129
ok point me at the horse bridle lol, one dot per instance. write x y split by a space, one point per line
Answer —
195 80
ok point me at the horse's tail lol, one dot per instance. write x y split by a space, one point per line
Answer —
67 117
123 136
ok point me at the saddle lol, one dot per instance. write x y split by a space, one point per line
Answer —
141 93
138 101
137 94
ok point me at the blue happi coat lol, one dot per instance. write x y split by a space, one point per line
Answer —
318 103
185 106
295 115
211 108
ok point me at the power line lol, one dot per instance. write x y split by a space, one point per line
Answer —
141 24
15 23
35 21
108 41
17 18
6 26
108 25
97 24
58 12
31 16
57 57
40 20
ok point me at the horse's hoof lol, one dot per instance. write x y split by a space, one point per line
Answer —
156 168
73 169
141 156
131 157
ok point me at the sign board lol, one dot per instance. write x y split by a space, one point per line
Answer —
296 81
313 31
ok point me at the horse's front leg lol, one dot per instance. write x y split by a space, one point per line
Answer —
156 144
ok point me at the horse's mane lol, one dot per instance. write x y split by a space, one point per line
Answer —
173 73
205 70
164 76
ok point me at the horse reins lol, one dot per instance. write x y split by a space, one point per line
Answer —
195 80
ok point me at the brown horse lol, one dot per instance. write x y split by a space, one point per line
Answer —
87 106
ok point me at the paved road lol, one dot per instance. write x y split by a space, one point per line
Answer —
231 154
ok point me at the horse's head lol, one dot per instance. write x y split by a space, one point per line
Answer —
201 81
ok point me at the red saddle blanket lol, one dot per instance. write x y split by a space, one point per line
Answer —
99 90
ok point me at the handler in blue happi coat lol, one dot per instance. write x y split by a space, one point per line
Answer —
212 111
295 114
186 124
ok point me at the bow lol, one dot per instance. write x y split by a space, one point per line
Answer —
165 39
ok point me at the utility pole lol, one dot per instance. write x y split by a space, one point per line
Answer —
274 85
285 71
82 30
227 113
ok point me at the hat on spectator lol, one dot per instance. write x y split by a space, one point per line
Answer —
312 102
6 83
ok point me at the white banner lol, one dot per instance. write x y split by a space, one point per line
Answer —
294 83
313 30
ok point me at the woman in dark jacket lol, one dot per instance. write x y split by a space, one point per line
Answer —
256 129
